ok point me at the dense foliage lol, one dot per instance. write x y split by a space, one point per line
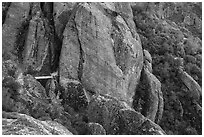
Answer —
172 35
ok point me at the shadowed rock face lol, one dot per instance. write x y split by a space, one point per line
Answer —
154 104
74 96
149 90
23 94
16 17
28 37
100 51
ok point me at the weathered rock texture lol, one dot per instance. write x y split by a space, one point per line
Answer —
147 60
154 99
135 123
62 12
36 53
21 124
101 68
118 118
74 96
149 91
100 49
24 94
15 20
97 129
28 37
194 88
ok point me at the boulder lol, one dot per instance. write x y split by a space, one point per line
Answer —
149 90
34 87
154 103
147 56
14 123
117 118
96 129
131 120
150 128
147 60
134 123
193 87
100 51
105 111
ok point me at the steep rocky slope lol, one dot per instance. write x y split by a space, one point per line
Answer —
171 32
92 68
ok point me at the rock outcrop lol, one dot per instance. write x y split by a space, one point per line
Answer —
97 129
99 56
85 68
147 60
100 50
154 103
194 88
134 123
14 123
36 54
16 19
62 11
24 94
149 90
119 119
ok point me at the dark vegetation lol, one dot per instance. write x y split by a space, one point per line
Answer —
172 37
164 39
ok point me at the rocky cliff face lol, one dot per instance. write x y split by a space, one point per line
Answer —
82 68
100 51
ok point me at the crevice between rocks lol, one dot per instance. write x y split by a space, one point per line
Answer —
21 36
5 7
81 61
55 48
81 56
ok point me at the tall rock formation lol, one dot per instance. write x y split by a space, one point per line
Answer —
101 68
16 19
149 90
100 49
